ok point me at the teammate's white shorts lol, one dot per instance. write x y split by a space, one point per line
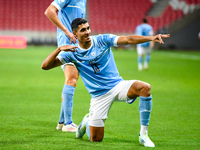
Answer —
143 50
100 106
63 66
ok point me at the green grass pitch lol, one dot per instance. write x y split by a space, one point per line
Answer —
30 103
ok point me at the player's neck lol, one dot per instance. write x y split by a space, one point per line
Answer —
85 45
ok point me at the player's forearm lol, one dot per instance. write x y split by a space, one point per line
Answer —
136 39
51 13
49 62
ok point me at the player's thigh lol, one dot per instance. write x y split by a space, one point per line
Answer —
139 88
100 106
71 73
122 90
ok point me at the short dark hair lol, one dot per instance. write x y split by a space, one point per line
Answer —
76 22
144 20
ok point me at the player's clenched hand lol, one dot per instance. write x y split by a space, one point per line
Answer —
68 48
158 38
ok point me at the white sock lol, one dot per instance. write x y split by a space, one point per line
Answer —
140 66
146 65
143 129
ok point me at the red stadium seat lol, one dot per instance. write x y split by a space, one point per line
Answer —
116 15
110 16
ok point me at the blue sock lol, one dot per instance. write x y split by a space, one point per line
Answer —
67 104
88 129
61 119
145 107
139 59
147 59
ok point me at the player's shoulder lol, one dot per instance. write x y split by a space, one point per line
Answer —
148 25
139 26
103 37
107 35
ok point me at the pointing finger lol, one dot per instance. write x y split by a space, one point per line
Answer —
160 39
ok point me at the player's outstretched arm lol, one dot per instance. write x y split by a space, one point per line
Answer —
52 61
136 39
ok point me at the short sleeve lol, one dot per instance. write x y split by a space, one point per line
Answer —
59 4
63 57
110 39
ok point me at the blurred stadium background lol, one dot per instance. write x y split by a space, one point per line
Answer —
180 18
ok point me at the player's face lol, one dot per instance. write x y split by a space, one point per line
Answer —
83 33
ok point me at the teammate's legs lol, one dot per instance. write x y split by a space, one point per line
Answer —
71 77
61 119
140 57
147 57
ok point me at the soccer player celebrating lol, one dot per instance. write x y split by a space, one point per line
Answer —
68 10
144 29
95 63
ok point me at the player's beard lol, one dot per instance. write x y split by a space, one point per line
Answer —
87 39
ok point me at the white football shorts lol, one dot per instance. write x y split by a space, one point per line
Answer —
100 106
63 66
143 50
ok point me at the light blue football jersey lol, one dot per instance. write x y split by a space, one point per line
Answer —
68 11
96 65
144 30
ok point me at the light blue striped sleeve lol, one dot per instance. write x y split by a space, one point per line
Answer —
59 4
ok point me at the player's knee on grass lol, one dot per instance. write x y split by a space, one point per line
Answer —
96 134
96 130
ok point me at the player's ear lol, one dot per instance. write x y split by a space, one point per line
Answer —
74 32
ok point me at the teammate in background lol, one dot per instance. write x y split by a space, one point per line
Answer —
61 13
144 29
94 60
